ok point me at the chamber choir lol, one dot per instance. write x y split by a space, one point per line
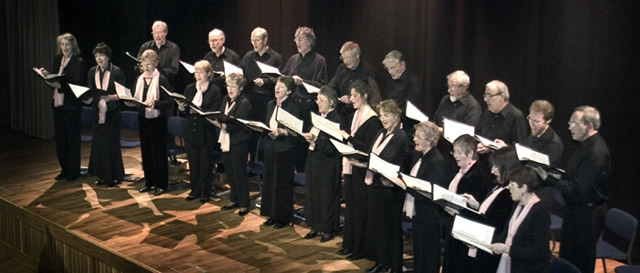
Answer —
376 204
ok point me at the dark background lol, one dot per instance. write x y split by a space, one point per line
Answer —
571 53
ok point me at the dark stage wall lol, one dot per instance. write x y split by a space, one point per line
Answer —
569 52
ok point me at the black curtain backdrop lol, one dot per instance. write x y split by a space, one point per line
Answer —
571 53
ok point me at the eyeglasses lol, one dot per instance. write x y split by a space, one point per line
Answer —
573 123
393 67
454 153
487 95
453 86
534 120
299 40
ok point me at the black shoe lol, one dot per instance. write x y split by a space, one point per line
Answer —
344 251
72 177
204 200
279 225
60 176
326 237
190 197
375 268
243 211
269 222
312 234
110 185
231 205
146 188
99 182
159 191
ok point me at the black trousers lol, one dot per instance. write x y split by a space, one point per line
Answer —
200 169
235 167
355 221
67 129
153 146
581 228
426 240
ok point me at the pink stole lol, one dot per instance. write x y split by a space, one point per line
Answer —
519 214
58 98
152 94
225 139
409 201
361 116
453 187
103 85
483 209
377 149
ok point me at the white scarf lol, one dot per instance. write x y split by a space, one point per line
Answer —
58 98
359 117
152 94
377 149
200 89
519 214
409 201
225 139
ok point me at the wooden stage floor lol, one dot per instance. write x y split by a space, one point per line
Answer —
165 232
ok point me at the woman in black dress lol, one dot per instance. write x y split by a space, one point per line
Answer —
524 242
106 157
427 164
234 141
323 168
199 135
384 219
277 187
361 129
66 107
152 123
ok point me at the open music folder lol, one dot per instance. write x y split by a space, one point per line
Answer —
83 91
386 169
125 94
310 88
255 125
453 129
290 121
189 67
527 154
347 150
444 198
211 114
473 233
51 77
267 69
230 68
417 183
414 113
329 127
487 142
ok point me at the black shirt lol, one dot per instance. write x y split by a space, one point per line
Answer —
508 125
407 87
466 109
217 63
344 77
548 143
587 173
312 68
252 71
168 57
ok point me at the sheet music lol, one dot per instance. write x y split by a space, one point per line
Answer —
473 233
78 90
288 120
416 183
526 153
267 69
344 149
229 69
176 95
254 125
453 129
214 114
386 169
49 76
414 113
442 194
125 93
188 67
310 88
329 127
487 142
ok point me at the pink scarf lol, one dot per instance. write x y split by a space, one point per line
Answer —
225 139
377 149
58 98
200 89
359 117
152 94
409 201
489 200
453 187
519 214
102 85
